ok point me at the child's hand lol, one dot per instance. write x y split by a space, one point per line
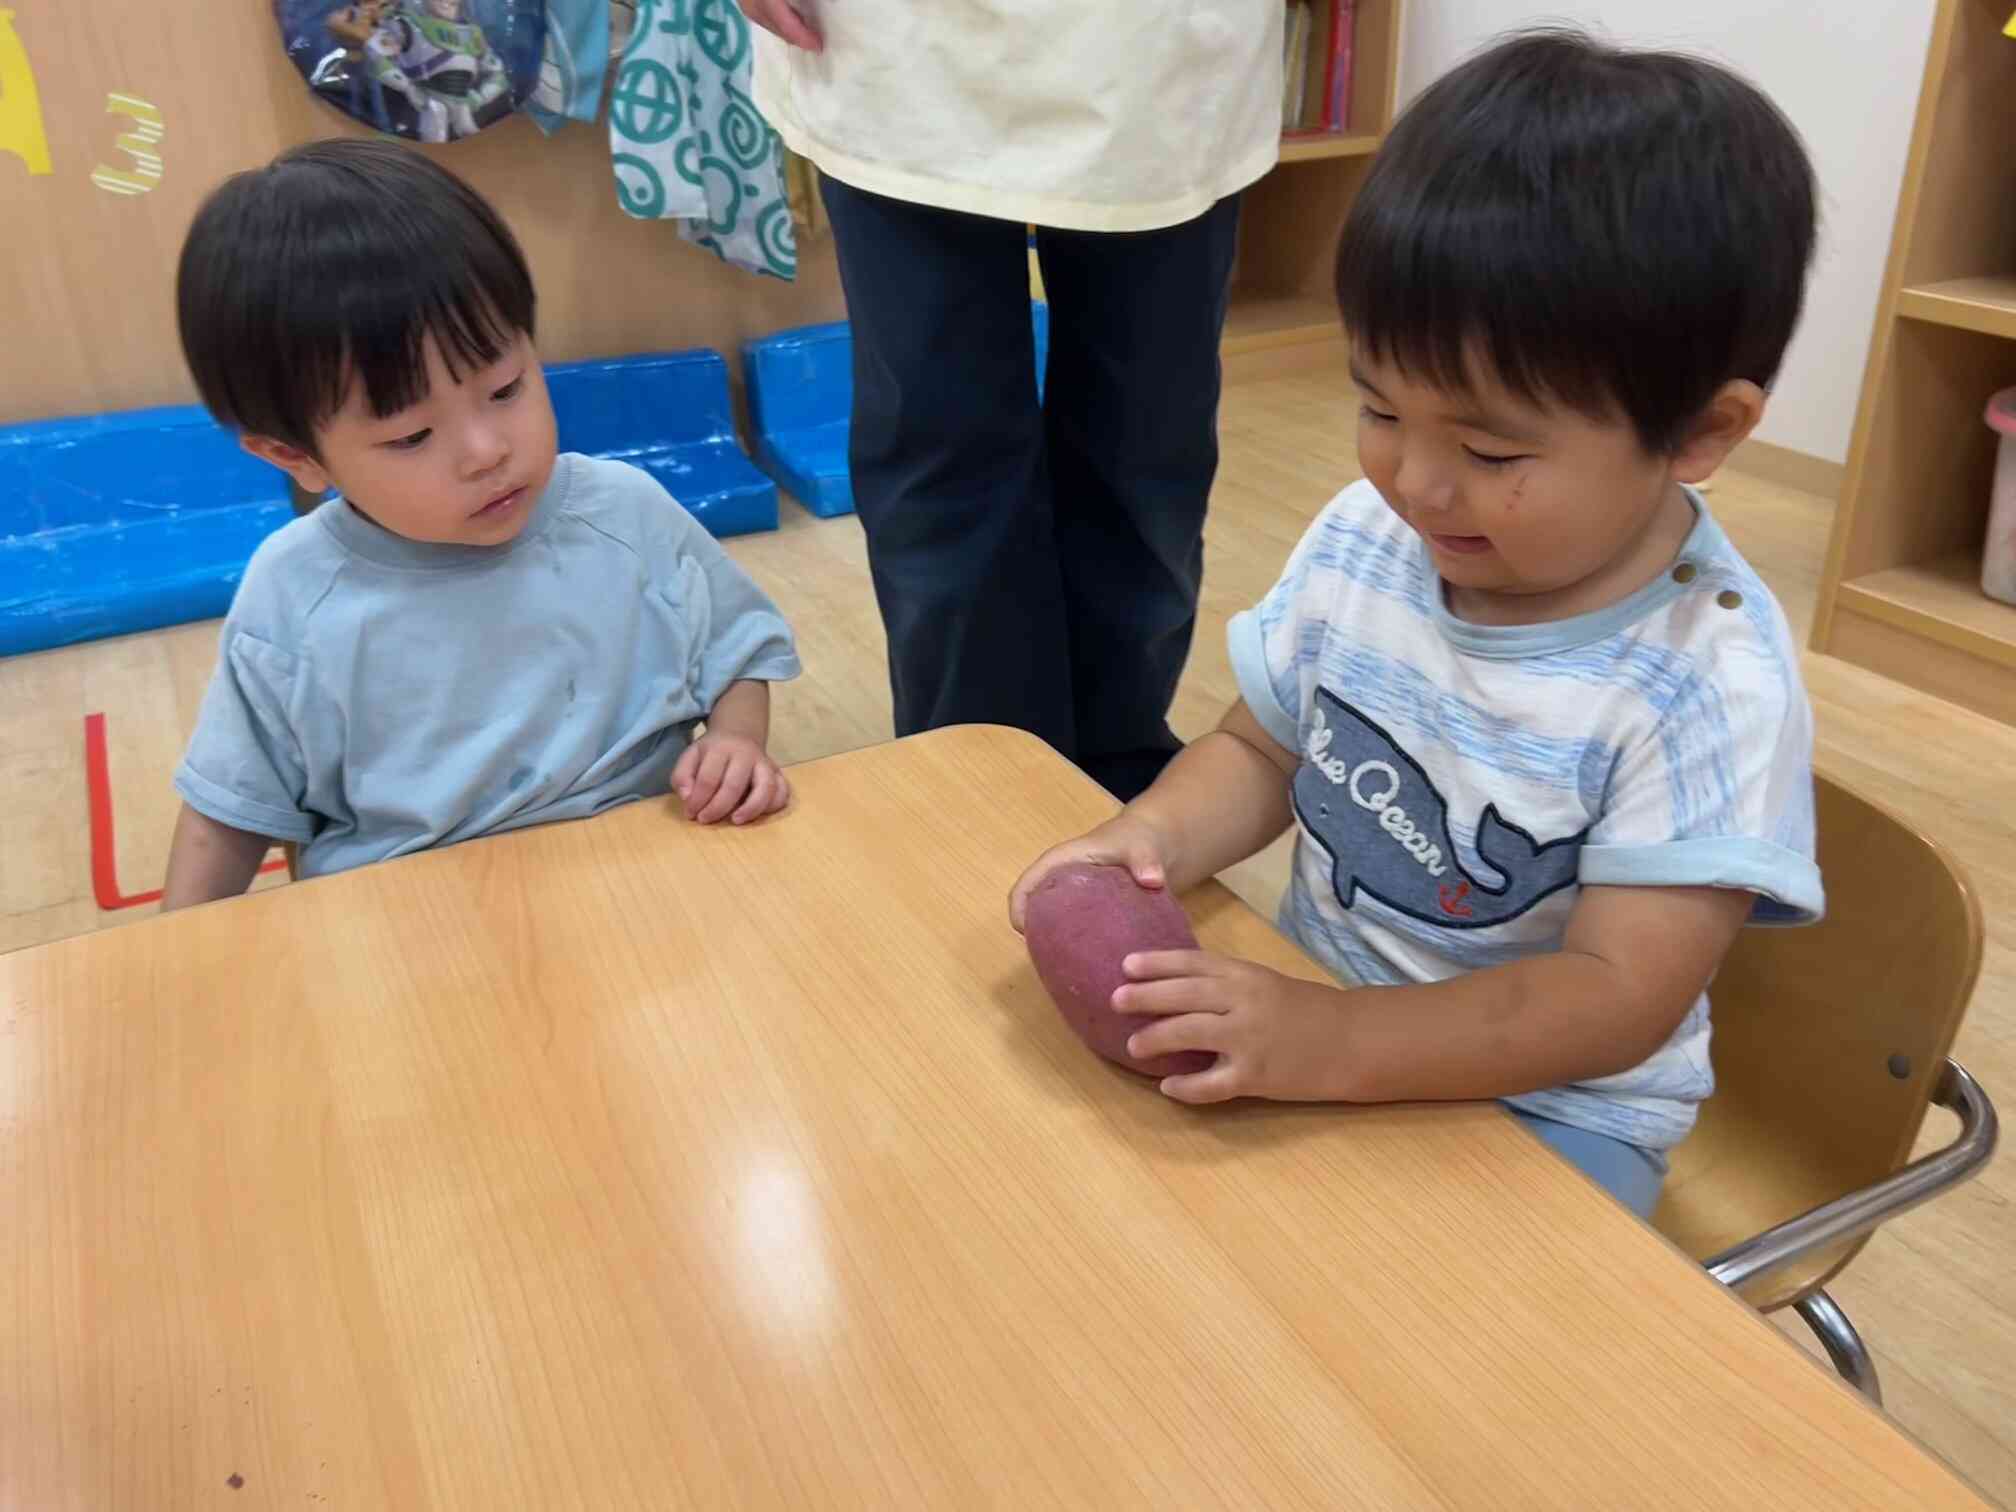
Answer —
1274 1036
729 777
1127 841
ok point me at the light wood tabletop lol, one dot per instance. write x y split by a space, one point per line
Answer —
625 1163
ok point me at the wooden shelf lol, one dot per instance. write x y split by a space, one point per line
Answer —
1283 309
1306 147
1257 322
1940 601
1987 305
1901 593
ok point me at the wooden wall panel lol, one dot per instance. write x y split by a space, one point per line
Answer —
87 273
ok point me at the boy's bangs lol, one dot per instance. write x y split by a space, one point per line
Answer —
1457 288
1617 233
388 344
469 297
333 266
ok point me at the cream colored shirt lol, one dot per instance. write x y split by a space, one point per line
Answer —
1091 115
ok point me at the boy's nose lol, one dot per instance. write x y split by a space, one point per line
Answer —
484 451
1423 488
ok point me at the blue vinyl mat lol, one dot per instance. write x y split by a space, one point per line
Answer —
801 391
115 523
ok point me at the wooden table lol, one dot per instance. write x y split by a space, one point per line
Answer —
629 1164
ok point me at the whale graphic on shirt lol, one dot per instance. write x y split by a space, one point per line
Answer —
1385 826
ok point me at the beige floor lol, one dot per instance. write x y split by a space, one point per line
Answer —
1935 1292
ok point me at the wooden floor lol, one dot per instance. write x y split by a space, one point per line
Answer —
1935 1293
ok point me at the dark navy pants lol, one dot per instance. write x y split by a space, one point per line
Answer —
1036 565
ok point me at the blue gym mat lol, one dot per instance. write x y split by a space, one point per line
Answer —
668 413
115 523
801 391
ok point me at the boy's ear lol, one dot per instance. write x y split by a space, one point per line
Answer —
293 461
1718 430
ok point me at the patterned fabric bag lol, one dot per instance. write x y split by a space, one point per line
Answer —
688 142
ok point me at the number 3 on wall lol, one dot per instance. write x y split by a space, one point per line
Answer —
22 132
138 144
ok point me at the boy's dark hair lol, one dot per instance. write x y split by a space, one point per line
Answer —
1609 230
337 259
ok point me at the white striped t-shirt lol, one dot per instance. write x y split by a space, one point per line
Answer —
1459 782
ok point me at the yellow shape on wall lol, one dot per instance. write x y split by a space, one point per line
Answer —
138 144
21 130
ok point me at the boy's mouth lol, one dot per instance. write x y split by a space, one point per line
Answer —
502 504
1461 545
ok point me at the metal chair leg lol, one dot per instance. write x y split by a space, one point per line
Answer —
1843 1345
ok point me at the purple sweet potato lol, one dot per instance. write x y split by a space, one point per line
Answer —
1082 922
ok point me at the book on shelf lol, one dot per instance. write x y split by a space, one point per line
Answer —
1337 80
1316 57
1295 64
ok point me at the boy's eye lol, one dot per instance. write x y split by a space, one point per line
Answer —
1490 459
408 443
1377 417
510 390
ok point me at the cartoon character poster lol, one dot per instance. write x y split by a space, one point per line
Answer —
430 70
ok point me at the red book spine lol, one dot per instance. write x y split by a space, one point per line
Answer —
1337 73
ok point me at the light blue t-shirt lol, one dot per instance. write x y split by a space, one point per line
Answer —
1460 784
376 696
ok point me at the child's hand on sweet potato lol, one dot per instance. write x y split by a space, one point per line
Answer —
1125 840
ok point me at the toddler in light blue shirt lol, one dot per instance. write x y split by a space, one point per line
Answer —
479 634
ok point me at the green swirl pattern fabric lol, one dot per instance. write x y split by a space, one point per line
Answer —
688 142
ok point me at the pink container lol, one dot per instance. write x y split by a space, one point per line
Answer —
1998 552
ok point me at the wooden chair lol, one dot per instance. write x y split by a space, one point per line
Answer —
1830 1042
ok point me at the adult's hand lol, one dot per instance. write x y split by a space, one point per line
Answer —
783 18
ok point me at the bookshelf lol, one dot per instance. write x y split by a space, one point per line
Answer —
1308 147
1281 285
1900 593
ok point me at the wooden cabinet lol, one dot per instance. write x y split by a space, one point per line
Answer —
1901 592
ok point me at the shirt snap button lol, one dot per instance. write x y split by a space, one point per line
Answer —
1684 573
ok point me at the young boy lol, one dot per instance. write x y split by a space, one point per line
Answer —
1540 726
479 634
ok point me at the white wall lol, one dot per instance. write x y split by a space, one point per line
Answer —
1845 71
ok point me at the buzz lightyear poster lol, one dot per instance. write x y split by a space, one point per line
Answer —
430 70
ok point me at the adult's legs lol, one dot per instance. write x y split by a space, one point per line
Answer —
1131 421
947 457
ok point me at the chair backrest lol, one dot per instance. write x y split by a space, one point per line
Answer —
1828 1041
